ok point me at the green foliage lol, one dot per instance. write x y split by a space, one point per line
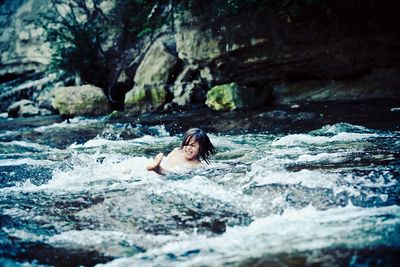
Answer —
75 33
219 10
77 29
139 17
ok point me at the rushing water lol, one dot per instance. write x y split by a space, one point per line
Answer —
325 197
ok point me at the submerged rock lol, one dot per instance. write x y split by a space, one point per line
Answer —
140 211
86 100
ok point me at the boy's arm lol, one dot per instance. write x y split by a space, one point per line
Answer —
155 166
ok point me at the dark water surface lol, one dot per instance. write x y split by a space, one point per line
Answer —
78 194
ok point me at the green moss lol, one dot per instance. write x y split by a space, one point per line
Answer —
145 98
81 102
224 97
116 114
232 96
137 97
157 95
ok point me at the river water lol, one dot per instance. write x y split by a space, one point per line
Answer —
78 194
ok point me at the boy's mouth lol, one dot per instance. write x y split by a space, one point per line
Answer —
189 152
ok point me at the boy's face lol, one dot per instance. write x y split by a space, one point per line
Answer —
191 149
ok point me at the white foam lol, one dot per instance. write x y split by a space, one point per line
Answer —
87 238
28 145
99 142
330 157
23 235
201 186
86 169
342 127
311 179
298 139
22 161
294 230
149 139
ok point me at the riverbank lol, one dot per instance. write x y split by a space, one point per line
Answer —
378 114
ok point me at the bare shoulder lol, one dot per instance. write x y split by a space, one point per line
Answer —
174 151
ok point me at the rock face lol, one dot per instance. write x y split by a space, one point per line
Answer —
195 41
21 48
86 100
24 55
326 52
151 79
323 54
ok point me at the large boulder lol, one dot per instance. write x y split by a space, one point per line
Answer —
86 100
232 96
152 75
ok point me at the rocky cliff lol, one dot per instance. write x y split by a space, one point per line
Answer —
21 49
328 51
23 54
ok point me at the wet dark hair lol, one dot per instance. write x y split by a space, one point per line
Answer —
206 148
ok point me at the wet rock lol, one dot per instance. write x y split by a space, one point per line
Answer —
23 108
49 255
166 213
121 132
304 116
29 122
305 60
275 114
14 175
86 100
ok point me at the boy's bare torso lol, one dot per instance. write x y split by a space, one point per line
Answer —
177 160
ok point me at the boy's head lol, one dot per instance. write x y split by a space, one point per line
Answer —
198 135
